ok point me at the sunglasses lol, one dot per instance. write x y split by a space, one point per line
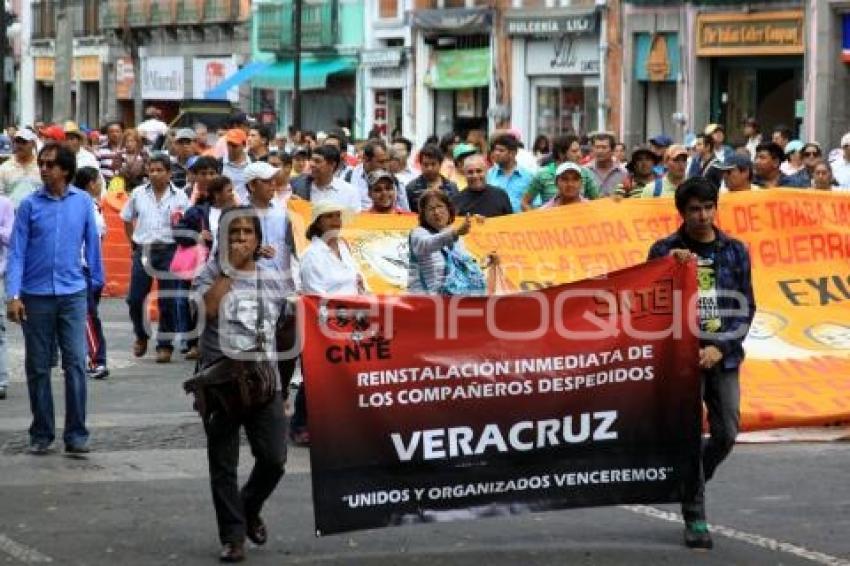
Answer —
20 140
811 154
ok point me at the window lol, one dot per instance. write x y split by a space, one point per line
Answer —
388 9
454 3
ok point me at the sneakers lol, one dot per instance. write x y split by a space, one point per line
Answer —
697 535
98 372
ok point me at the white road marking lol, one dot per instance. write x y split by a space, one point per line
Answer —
749 538
20 552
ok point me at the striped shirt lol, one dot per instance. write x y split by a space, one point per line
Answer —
427 271
106 157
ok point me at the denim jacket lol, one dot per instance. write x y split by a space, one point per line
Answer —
733 273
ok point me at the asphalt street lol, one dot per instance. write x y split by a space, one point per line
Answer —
142 497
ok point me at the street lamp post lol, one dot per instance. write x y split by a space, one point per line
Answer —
296 75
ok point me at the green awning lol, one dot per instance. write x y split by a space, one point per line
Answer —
460 68
314 73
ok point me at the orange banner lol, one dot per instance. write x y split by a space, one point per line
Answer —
798 366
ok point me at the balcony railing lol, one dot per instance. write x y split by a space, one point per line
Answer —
156 13
275 21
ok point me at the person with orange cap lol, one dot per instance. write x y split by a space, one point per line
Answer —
236 160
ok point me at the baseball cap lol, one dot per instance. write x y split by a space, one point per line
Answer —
53 133
235 136
845 140
462 150
567 166
260 170
662 140
301 150
26 134
735 161
675 151
379 174
185 134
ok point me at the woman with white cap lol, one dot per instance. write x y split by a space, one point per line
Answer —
327 268
793 158
568 181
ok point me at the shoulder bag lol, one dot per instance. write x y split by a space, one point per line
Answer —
236 386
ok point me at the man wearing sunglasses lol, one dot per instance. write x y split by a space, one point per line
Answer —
46 288
19 175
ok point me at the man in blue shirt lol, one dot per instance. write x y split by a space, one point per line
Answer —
46 291
505 173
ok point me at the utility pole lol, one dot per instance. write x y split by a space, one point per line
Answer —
63 64
4 43
296 76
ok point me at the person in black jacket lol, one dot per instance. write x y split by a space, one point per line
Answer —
726 310
479 197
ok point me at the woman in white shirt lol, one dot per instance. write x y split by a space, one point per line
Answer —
327 268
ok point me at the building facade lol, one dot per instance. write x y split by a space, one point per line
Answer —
688 64
331 38
386 70
183 47
89 54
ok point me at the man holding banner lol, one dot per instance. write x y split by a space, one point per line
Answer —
726 310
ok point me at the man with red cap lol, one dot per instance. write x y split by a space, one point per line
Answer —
236 160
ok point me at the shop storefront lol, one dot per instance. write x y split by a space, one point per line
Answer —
756 67
556 72
460 79
386 73
163 84
457 71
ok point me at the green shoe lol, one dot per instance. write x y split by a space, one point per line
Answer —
697 535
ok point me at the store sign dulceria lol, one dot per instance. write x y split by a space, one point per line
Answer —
762 33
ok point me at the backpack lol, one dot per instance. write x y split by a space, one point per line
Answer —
461 276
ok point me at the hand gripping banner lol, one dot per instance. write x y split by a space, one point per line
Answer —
434 408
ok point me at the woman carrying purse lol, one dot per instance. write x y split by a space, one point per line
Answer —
242 302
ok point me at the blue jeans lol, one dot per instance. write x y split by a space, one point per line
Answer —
51 319
159 260
4 355
186 314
